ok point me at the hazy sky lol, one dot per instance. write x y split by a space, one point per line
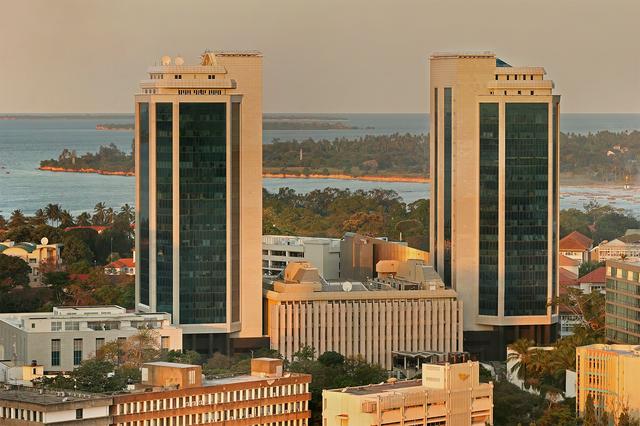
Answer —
319 56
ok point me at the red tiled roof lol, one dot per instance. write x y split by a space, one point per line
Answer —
567 278
576 241
597 276
122 263
567 261
78 277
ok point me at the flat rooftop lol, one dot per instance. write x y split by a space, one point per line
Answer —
381 388
169 364
47 397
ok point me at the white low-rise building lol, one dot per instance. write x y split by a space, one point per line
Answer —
279 250
62 339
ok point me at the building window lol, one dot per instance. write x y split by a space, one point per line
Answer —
56 325
99 343
55 352
165 342
212 77
192 377
77 351
78 413
519 92
532 93
177 77
507 76
448 179
71 325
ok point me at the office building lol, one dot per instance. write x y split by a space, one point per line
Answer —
279 250
622 294
494 198
176 394
447 395
30 406
36 256
406 309
626 247
360 254
61 340
198 137
609 373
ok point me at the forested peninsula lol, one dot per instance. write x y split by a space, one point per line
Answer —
603 157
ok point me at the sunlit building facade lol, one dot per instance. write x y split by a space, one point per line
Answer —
199 196
494 215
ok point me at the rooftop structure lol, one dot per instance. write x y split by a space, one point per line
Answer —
626 247
449 394
494 216
406 308
61 339
359 255
198 137
576 246
279 250
124 266
29 406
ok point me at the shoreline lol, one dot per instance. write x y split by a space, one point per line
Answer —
577 183
82 170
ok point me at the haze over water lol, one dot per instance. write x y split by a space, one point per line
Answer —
24 142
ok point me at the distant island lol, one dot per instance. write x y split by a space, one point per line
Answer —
267 124
596 158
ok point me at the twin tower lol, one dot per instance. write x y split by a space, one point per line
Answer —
494 197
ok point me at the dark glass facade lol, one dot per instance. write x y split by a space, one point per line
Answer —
143 208
235 211
448 132
526 208
555 179
489 197
164 207
623 304
434 178
203 216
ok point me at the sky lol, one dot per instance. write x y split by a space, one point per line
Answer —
319 55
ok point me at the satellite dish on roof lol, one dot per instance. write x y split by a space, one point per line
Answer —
44 241
179 61
166 60
347 286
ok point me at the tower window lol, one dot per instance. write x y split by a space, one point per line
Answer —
505 92
212 77
531 77
519 92
178 76
532 93
515 77
496 76
507 76
524 77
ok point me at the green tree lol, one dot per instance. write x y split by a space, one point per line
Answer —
83 219
558 415
587 267
57 282
13 271
52 211
99 214
589 415
16 219
75 250
521 355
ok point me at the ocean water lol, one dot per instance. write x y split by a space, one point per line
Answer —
26 141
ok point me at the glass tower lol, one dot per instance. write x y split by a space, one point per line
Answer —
198 153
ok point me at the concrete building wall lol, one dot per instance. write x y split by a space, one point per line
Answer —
278 251
370 324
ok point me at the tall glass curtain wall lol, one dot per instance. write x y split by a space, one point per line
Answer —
164 207
143 208
526 208
489 196
235 211
447 185
555 182
203 213
434 205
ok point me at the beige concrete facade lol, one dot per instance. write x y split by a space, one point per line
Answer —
35 255
368 321
447 395
222 77
609 373
476 78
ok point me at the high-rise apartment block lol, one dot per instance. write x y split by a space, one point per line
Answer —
494 199
198 165
622 315
609 373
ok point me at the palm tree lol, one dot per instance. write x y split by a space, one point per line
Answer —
99 214
17 218
109 215
3 222
52 211
521 355
38 218
83 219
128 212
66 219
